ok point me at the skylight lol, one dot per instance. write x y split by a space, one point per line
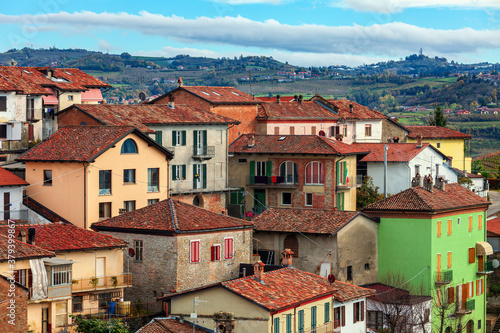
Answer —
26 71
232 92
205 93
68 73
282 138
216 93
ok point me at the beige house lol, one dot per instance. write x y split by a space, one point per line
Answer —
101 171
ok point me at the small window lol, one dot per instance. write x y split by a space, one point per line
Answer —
292 130
359 311
438 145
276 131
286 198
470 288
3 131
104 210
129 205
129 176
349 273
138 247
368 130
61 275
315 174
228 248
77 302
458 221
242 161
70 97
479 287
313 130
153 201
367 267
195 251
153 180
47 177
129 147
3 103
178 138
104 182
309 199
61 313
215 252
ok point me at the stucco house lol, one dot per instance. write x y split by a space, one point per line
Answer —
88 173
278 301
178 246
11 196
323 241
197 138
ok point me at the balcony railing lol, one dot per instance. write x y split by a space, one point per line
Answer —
203 152
356 181
103 282
486 269
59 291
16 215
465 307
443 277
273 181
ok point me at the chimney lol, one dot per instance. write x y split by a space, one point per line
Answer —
31 236
171 102
50 72
278 99
244 272
301 98
416 181
22 235
258 271
179 82
440 183
251 141
224 322
351 108
419 141
395 139
428 183
296 97
286 257
122 211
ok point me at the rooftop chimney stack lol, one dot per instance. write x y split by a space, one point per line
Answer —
258 271
278 99
286 257
171 102
251 141
22 235
419 141
440 183
428 183
296 98
351 108
224 322
179 82
416 181
301 98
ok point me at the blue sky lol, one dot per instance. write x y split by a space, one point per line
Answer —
307 33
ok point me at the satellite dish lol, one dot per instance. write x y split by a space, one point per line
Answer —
142 96
331 278
495 263
131 252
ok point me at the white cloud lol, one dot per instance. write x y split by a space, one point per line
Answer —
380 40
394 6
105 46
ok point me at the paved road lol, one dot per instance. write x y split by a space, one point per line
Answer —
495 202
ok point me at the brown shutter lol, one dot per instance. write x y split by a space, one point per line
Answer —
482 286
472 255
451 295
362 310
478 287
342 309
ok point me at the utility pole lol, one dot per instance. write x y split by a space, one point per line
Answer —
385 171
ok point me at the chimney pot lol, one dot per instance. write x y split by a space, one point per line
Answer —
251 141
351 108
31 236
286 256
278 99
301 98
419 141
180 83
258 271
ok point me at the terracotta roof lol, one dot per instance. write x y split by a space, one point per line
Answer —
221 94
81 143
418 199
65 237
171 216
169 325
306 220
142 115
273 99
493 227
293 144
389 294
396 152
43 211
22 250
7 178
359 111
435 132
306 109
288 287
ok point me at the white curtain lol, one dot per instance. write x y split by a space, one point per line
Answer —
39 275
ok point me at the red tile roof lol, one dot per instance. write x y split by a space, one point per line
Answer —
396 152
43 211
169 325
359 111
435 132
171 216
291 110
223 95
288 287
143 115
22 250
293 144
493 227
7 178
418 199
81 143
306 220
273 99
60 237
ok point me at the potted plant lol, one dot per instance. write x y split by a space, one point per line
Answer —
94 282
114 281
73 281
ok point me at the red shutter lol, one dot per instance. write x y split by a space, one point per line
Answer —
213 253
217 252
195 251
228 248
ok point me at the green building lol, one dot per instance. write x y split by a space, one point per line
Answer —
435 237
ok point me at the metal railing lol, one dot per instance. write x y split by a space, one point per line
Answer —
486 268
102 282
273 180
444 277
356 181
204 151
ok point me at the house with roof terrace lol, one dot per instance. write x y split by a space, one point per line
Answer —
198 139
178 246
29 98
81 271
89 173
278 301
435 236
323 241
292 171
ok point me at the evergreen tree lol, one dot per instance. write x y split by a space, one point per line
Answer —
439 119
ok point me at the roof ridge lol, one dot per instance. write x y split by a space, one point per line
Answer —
174 215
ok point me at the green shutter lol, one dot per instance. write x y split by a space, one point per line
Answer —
174 172
204 169
204 138
195 166
195 139
184 171
288 323
174 138
301 321
344 178
183 134
234 198
327 312
159 137
313 317
252 172
337 165
269 171
277 325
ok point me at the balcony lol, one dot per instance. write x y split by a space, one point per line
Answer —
273 181
444 277
105 282
485 268
465 307
203 152
352 182
30 115
54 292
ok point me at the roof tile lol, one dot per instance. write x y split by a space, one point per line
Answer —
22 250
435 132
7 178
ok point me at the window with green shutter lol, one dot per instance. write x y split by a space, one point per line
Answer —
252 172
313 316
327 312
276 325
288 323
301 321
159 137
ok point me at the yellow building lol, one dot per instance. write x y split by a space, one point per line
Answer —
89 173
85 274
451 143
279 301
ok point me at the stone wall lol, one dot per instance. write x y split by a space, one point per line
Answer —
390 130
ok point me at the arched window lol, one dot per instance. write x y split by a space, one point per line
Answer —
129 147
315 173
198 201
289 173
470 326
83 123
292 243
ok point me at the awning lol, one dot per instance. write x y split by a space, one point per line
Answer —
57 261
50 99
92 95
483 249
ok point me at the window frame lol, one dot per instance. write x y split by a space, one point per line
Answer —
216 252
62 274
228 248
153 201
129 205
194 250
285 172
153 182
311 167
368 130
327 312
139 250
58 314
47 177
358 309
283 198
103 182
3 102
129 144
103 210
308 199
129 176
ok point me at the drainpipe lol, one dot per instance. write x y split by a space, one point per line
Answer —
85 165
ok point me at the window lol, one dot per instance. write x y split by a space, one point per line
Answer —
438 145
47 177
286 198
367 267
104 210
242 161
3 103
61 313
129 205
260 168
439 228
288 323
289 173
215 252
276 130
375 320
349 273
449 227
70 97
129 176
179 172
61 275
199 176
276 325
178 138
228 248
342 173
21 277
313 130
138 247
480 222
359 311
470 223
340 200
200 142
314 311
301 321
479 287
472 255
309 199
153 201
334 131
368 130
153 180
449 260
3 131
129 147
315 174
470 289
77 303
327 312
159 137
292 130
104 182
195 251
344 131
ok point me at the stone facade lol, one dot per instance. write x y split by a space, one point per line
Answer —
391 130
13 316
215 202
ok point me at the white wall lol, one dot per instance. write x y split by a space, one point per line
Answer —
359 131
16 199
398 176
350 325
